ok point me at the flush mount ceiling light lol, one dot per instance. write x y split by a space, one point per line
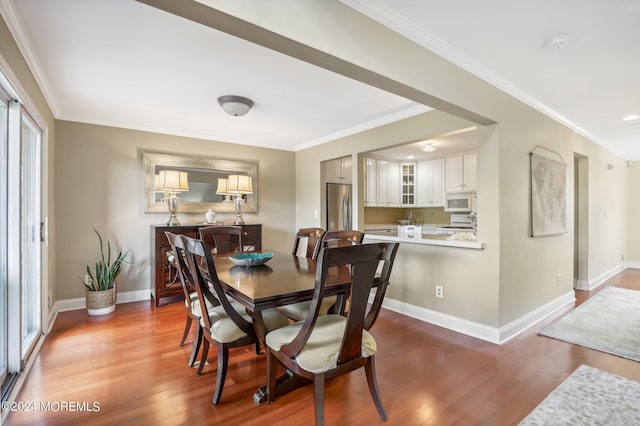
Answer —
428 147
631 117
558 41
235 105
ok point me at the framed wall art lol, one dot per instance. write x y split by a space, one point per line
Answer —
548 192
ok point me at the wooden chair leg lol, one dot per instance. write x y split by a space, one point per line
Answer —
223 360
272 371
187 329
318 398
370 370
258 347
203 360
197 340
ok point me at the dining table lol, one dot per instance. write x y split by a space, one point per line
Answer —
283 280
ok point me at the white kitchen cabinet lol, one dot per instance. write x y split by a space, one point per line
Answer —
430 183
388 184
338 170
461 172
408 184
370 182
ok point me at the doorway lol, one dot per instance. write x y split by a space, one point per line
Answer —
581 222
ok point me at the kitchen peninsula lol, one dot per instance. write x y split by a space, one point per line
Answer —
428 236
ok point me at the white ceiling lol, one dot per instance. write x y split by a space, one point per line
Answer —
125 64
590 84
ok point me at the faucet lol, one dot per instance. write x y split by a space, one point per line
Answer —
410 217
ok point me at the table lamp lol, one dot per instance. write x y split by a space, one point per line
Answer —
239 185
171 182
223 184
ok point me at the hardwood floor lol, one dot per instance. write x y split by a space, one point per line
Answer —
130 363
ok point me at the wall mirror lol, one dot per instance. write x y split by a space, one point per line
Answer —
203 174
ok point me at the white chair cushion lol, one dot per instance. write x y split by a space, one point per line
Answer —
224 330
299 311
321 351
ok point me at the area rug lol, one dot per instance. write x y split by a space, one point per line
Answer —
589 397
608 322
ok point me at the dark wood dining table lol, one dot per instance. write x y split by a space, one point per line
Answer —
284 279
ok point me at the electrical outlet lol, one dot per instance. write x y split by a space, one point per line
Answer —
88 280
439 291
558 279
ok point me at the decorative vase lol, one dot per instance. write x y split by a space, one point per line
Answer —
210 216
101 302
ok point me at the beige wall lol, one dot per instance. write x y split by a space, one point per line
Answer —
633 195
99 183
15 68
526 269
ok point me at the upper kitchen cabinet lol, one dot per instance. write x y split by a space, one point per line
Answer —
408 184
461 172
388 184
370 182
338 170
430 183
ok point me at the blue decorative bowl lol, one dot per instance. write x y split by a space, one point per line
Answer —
251 259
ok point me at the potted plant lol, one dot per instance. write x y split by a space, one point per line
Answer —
101 280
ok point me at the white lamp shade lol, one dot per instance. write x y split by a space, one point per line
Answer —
172 181
239 184
222 186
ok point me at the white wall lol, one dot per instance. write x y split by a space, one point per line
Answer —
99 183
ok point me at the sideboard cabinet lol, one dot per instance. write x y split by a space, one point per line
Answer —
164 279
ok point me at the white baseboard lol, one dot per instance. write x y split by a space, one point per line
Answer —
484 332
81 303
602 278
631 265
530 319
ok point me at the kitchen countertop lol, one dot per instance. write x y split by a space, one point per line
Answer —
387 232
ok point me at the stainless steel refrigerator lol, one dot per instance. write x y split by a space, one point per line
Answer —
338 206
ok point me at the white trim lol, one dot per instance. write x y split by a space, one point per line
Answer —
530 319
386 16
81 303
632 265
600 279
8 11
409 112
484 332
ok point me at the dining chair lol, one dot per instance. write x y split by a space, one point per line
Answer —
313 238
341 238
298 311
191 301
323 347
224 239
227 325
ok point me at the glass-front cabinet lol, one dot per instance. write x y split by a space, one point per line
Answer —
408 182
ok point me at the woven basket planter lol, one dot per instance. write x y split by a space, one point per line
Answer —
101 302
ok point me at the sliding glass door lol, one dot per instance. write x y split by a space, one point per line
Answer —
30 233
21 281
4 114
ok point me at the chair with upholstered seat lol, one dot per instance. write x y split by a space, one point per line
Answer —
224 239
299 311
341 238
227 325
323 347
313 237
190 295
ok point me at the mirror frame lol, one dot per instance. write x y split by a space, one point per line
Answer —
151 159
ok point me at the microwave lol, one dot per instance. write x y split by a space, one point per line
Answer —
459 201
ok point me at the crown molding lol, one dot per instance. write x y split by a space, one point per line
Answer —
8 12
401 115
384 15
